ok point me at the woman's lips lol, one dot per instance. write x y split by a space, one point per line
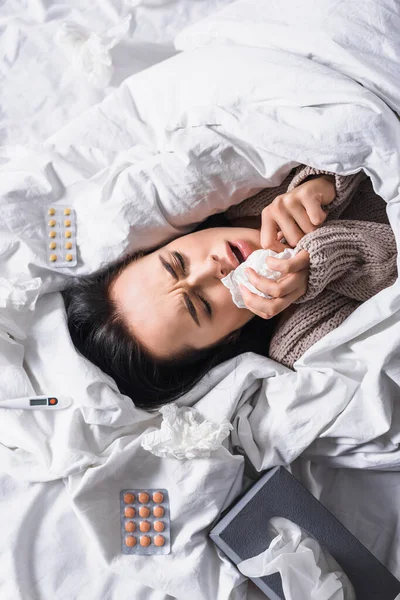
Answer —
244 248
233 261
241 248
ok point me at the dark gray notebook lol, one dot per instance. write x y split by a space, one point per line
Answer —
241 534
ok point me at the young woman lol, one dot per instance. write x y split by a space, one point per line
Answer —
158 321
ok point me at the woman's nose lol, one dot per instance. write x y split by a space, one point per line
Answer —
206 271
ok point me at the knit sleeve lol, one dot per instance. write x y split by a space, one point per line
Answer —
356 259
306 324
346 186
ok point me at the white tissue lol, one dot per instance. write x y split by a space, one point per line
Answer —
308 572
184 434
256 260
17 296
88 52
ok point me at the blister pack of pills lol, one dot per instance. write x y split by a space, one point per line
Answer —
145 522
61 236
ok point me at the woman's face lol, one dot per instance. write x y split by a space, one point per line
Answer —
173 299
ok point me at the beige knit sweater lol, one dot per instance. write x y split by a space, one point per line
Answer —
352 257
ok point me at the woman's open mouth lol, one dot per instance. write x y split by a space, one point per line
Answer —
241 250
236 252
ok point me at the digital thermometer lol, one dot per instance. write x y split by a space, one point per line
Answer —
38 403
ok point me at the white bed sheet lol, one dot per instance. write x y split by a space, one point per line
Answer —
74 566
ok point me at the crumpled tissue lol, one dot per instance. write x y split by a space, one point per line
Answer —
185 434
256 261
17 295
308 572
88 52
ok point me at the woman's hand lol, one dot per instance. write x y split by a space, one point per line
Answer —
296 213
289 288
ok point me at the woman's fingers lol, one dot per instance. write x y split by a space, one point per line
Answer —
276 289
314 209
278 220
267 309
296 213
291 265
302 218
269 229
284 292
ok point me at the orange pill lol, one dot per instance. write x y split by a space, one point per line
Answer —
144 511
129 498
130 541
144 497
145 541
53 257
68 233
144 526
158 511
158 497
69 257
51 212
129 512
159 540
68 245
52 245
67 211
67 223
52 234
52 223
130 526
159 526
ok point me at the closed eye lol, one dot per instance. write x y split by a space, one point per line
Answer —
207 306
182 263
179 263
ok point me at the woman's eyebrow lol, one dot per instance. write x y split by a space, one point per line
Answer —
189 304
169 268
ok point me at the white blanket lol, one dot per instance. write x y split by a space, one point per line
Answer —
171 145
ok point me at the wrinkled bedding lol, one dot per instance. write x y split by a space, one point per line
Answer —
232 113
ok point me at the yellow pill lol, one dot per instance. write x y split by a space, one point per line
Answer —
52 246
52 211
68 245
52 234
67 211
52 223
67 223
69 257
53 257
68 234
